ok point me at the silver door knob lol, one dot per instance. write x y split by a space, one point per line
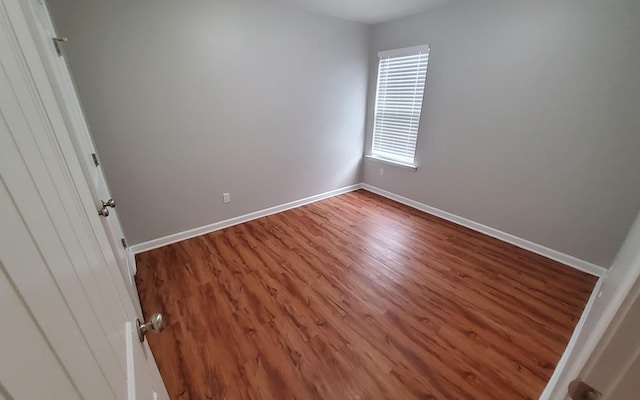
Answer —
104 211
155 324
109 203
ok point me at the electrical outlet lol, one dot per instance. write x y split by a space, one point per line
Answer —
381 171
226 197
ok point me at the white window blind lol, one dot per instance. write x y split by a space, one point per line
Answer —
401 78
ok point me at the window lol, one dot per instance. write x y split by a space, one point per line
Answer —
401 77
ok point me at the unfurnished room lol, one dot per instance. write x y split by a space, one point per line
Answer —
320 199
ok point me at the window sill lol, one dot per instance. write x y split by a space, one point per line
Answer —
412 167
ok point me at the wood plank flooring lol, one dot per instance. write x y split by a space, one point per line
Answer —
357 297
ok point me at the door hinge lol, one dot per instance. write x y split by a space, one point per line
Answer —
57 44
124 243
95 159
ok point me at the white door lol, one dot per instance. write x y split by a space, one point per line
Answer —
56 67
614 367
65 310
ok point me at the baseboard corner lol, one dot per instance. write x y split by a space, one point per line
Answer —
544 251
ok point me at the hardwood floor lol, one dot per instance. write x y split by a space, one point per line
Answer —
357 297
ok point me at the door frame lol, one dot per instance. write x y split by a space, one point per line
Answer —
70 106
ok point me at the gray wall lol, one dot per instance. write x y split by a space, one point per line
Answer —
530 123
190 99
531 120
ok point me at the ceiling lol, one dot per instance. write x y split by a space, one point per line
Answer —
367 11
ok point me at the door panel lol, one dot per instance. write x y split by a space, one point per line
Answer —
22 342
628 386
26 139
29 271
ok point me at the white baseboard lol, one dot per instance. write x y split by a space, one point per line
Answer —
505 237
202 230
566 259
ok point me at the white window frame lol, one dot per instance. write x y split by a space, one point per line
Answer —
408 159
